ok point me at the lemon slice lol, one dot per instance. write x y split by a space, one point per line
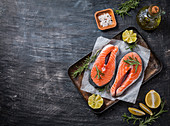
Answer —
152 99
95 101
145 108
128 36
136 112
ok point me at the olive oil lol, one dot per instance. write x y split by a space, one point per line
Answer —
149 17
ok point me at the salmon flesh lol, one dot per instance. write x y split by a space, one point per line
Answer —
127 74
104 67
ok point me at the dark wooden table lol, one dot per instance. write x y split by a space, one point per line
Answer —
40 39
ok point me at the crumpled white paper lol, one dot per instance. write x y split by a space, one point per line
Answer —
130 95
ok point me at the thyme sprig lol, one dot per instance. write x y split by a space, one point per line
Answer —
148 120
99 73
126 7
133 61
85 65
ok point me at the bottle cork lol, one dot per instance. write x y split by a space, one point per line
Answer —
155 9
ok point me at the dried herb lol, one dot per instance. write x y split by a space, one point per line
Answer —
132 61
126 7
85 65
99 73
148 120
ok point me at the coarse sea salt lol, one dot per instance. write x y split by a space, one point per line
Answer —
105 19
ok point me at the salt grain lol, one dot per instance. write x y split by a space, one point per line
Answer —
105 19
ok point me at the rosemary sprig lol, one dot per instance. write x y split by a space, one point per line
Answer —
129 118
126 7
148 120
153 118
133 61
99 73
85 65
132 46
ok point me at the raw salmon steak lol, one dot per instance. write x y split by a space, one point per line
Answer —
104 67
127 74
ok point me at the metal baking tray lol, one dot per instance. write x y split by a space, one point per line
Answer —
153 68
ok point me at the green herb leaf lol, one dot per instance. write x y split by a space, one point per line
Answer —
148 120
105 88
85 65
129 118
126 7
131 58
100 89
163 12
133 61
98 73
136 68
132 46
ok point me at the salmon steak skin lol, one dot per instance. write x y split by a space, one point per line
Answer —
127 74
104 66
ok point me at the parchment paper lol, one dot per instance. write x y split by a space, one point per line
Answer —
130 95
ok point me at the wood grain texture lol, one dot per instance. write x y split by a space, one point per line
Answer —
40 39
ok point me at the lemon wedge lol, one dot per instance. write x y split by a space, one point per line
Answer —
145 108
129 37
136 112
152 99
95 101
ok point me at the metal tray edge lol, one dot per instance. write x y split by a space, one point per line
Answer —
159 70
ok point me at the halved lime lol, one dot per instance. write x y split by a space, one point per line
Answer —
95 101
